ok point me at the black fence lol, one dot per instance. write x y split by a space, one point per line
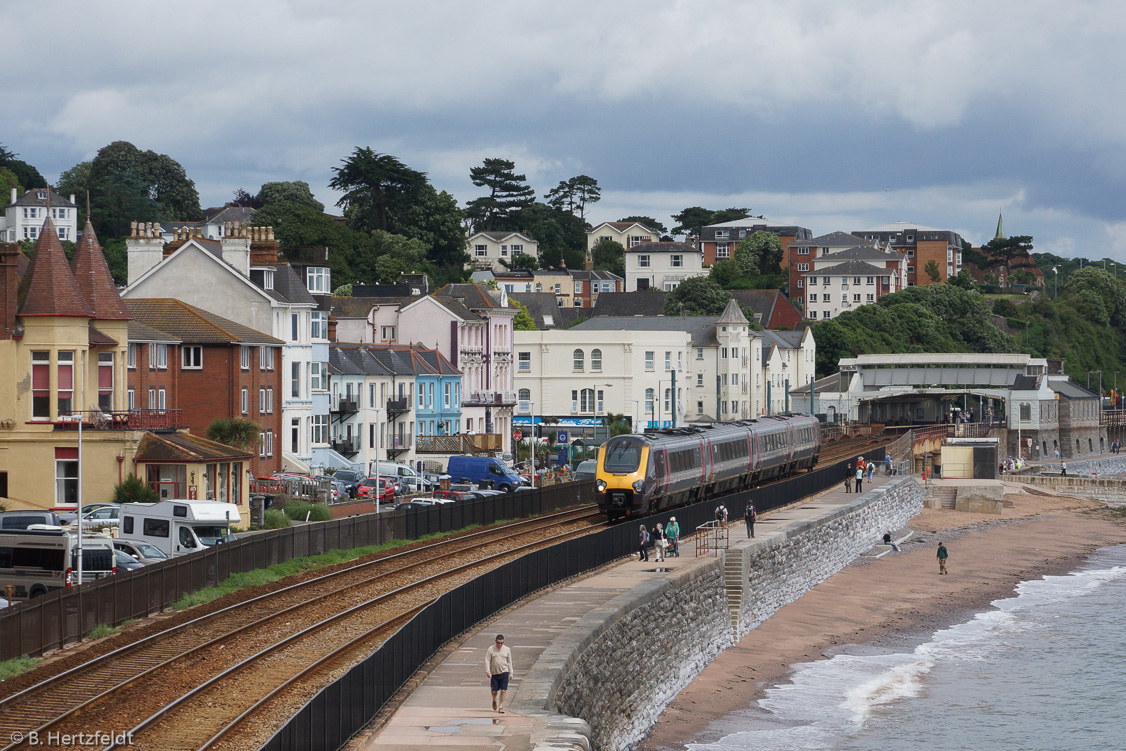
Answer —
67 615
342 709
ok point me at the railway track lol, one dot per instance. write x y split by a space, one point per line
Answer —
359 597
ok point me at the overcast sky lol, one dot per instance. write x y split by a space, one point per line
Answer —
831 115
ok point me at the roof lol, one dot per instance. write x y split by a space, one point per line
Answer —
831 240
732 315
94 280
48 287
862 253
469 296
1071 390
194 325
241 214
663 247
389 360
783 339
98 337
184 448
139 332
848 268
750 221
902 227
622 227
544 309
834 383
502 235
601 275
31 198
289 285
760 301
701 329
646 303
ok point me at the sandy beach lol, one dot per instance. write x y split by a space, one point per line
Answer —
897 597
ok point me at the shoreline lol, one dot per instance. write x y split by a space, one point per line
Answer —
895 602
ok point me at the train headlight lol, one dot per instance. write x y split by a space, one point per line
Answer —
637 486
601 486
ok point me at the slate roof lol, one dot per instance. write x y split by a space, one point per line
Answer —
139 332
541 304
701 329
831 383
501 235
94 280
31 198
623 226
783 339
663 247
1025 383
1071 390
862 253
194 325
732 315
849 268
600 275
646 303
388 359
48 287
185 448
832 240
100 338
760 301
289 285
241 214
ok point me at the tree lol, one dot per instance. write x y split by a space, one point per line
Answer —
8 180
697 296
932 270
963 279
561 235
245 200
133 490
523 261
234 431
297 191
1002 250
575 194
75 180
647 221
729 215
436 220
376 187
509 193
523 320
760 253
27 176
128 184
618 424
394 256
691 220
609 255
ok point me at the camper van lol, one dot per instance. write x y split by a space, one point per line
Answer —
38 561
179 527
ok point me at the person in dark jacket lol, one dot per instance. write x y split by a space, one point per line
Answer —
749 517
849 473
643 543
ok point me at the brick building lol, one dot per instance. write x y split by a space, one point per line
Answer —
921 245
718 241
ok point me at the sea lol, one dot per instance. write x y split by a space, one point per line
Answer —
1044 669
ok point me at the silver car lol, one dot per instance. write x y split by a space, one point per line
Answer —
139 550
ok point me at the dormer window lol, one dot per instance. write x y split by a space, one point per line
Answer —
41 195
268 279
318 279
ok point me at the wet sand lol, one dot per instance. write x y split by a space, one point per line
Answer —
899 597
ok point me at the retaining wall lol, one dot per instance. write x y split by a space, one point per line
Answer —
621 665
1111 491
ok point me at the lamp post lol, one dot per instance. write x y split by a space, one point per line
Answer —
1057 273
378 441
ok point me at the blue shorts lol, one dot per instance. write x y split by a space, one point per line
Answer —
499 682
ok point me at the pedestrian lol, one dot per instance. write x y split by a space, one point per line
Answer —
849 472
942 556
498 669
660 542
859 478
749 517
672 531
871 470
724 509
719 513
1063 469
889 542
887 463
643 542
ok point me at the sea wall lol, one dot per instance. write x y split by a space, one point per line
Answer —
1108 490
620 666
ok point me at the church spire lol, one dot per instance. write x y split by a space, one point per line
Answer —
1000 228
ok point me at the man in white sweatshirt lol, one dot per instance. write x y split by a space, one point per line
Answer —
498 668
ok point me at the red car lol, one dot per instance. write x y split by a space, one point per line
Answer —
377 486
454 495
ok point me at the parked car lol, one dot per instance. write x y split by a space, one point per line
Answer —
395 483
377 487
585 470
351 479
140 550
416 503
24 519
125 562
67 517
105 516
339 489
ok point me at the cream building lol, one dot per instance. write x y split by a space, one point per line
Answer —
661 266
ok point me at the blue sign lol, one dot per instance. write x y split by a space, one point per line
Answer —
561 436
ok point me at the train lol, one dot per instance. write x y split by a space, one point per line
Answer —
643 473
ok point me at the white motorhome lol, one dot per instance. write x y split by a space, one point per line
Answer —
42 558
179 527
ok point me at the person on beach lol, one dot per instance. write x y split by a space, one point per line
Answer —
849 472
749 517
498 669
859 477
888 541
672 531
643 543
660 542
942 556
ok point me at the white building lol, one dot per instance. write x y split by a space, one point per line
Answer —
24 215
488 249
844 281
661 265
626 234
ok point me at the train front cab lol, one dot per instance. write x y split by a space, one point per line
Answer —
620 477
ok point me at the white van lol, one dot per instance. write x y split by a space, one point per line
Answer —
411 481
179 527
38 561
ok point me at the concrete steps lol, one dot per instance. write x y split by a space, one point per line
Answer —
945 496
733 587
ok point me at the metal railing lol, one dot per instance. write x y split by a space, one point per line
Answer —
131 419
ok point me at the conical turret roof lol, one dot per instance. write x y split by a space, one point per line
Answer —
48 287
94 280
733 315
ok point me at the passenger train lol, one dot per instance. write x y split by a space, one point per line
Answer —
639 474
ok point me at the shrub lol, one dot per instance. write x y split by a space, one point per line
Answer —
102 630
133 490
316 512
276 519
13 667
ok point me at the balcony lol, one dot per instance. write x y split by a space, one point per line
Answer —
488 399
398 406
132 419
459 444
399 444
346 405
347 446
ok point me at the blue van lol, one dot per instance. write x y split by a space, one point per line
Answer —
479 469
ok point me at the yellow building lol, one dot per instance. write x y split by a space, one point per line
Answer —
63 349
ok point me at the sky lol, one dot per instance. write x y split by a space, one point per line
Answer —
826 114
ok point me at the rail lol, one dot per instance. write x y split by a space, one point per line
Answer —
711 539
131 419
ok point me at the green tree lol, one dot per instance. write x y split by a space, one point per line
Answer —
75 180
234 431
376 188
561 235
509 194
932 270
618 424
574 194
759 253
244 199
609 255
8 180
729 215
128 184
394 256
133 490
297 191
523 320
27 176
647 221
728 274
963 279
692 220
523 261
438 222
1002 250
697 296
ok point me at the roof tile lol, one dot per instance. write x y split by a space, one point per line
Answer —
48 287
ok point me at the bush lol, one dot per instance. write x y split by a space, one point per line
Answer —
133 490
276 519
13 667
298 510
102 630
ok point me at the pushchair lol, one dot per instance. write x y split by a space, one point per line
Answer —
674 547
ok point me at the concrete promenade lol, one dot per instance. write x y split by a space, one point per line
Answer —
451 707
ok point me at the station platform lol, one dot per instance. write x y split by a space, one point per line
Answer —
450 708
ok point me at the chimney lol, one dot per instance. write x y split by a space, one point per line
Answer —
15 195
72 198
9 286
236 249
144 248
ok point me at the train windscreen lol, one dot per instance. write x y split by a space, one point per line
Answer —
623 455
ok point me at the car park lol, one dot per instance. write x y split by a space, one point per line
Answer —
351 478
140 550
378 487
125 562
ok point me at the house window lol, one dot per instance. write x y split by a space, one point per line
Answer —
886 280
480 250
871 297
294 321
723 250
191 358
676 261
813 297
871 280
244 357
158 357
699 379
318 280
668 400
269 400
910 269
320 429
131 357
803 251
803 267
699 353
539 287
524 395
295 380
161 398
596 359
558 289
40 385
244 400
825 280
66 482
578 302
812 281
721 233
699 408
801 283
105 381
578 288
130 399
524 361
387 333
152 398
668 361
318 328
649 360
826 314
318 380
648 401
910 253
578 359
856 280
643 262
66 382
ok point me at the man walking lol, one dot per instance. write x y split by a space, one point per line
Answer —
1063 469
942 556
749 518
887 463
498 669
643 542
